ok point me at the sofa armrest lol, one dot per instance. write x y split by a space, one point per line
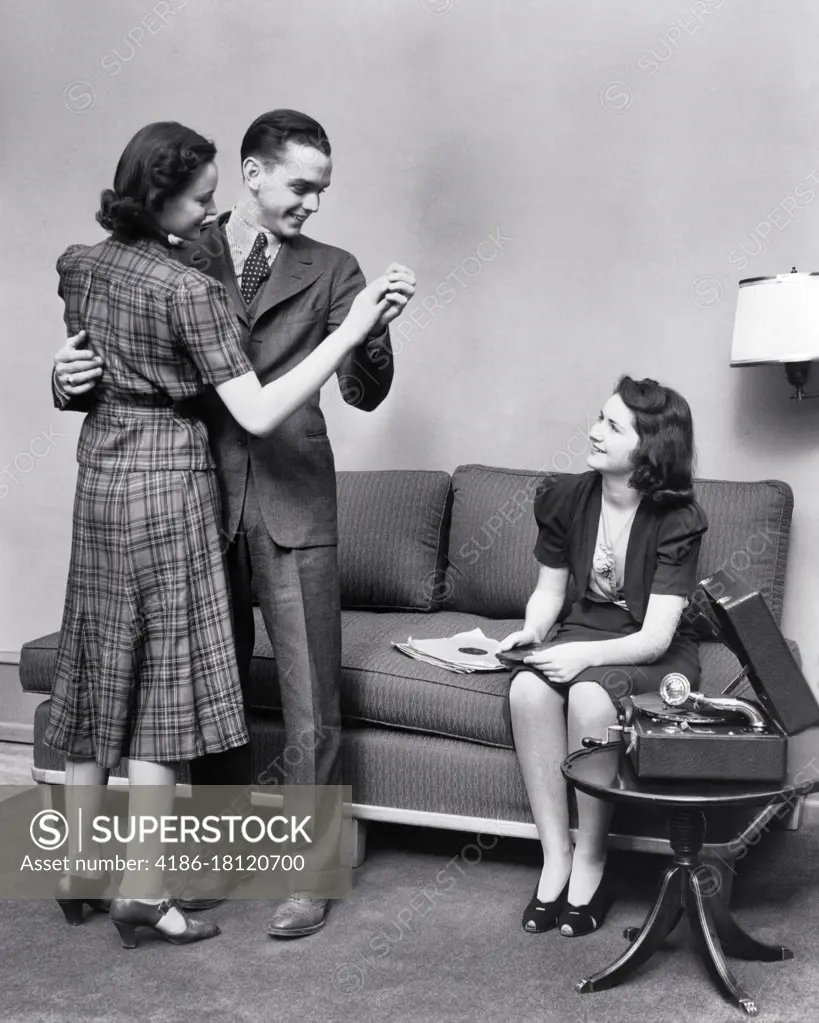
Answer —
38 658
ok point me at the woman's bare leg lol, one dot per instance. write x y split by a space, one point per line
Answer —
539 727
153 789
590 713
85 784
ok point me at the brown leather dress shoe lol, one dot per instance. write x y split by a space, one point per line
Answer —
296 918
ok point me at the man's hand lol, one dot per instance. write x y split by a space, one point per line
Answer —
77 370
401 289
563 662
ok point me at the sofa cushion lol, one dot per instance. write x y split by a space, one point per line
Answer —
490 566
383 686
748 534
392 538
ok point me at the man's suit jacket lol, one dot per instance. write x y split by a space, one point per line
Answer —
308 294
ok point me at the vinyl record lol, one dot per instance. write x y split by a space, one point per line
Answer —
652 704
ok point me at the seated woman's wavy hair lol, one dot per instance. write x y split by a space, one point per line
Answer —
156 165
664 457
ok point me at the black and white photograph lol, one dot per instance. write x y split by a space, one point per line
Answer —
409 528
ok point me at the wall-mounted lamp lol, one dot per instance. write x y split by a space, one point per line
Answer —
777 320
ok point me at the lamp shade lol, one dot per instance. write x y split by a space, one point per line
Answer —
777 320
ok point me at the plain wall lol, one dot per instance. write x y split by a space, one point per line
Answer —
632 162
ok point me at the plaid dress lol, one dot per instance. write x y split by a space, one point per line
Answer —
146 666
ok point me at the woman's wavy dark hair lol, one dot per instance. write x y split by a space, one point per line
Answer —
156 165
664 457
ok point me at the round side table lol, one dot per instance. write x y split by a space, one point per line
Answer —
685 888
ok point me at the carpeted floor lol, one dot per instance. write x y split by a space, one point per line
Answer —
391 952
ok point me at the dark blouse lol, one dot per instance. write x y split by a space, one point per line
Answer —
663 545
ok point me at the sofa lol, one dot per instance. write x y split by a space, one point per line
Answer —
426 554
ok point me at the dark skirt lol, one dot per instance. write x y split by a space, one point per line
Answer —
591 621
146 666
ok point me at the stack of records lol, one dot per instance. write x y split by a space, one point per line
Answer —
464 652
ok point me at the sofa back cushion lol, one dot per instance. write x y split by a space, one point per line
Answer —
490 566
749 527
491 569
392 538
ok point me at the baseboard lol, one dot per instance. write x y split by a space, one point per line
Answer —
9 656
446 821
13 731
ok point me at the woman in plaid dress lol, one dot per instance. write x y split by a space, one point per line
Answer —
146 666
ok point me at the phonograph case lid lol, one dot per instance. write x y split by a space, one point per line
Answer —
749 630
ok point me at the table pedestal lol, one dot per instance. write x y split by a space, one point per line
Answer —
686 889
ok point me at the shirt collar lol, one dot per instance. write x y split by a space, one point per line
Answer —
245 226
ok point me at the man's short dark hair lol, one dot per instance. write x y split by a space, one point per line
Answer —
269 134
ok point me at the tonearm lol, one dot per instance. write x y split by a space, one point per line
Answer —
675 691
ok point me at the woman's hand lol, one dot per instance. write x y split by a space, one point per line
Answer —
402 288
524 637
367 308
563 662
383 300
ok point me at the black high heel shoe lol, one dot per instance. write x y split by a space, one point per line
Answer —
543 916
575 921
74 892
128 914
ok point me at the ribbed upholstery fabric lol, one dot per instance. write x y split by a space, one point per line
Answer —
38 659
491 569
411 771
423 772
749 528
392 538
719 667
379 684
383 686
387 767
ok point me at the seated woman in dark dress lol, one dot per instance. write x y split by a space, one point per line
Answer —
629 534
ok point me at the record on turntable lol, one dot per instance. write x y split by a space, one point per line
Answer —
653 705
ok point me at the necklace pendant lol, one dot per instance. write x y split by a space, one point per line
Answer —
603 561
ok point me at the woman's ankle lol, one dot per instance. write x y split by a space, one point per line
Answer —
589 856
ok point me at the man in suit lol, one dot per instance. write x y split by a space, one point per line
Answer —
279 493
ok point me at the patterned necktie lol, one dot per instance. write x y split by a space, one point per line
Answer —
256 268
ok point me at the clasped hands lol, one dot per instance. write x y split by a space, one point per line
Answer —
384 299
559 663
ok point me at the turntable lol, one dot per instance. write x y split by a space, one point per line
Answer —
679 734
684 735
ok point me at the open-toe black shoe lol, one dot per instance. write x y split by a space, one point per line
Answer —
576 921
543 916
